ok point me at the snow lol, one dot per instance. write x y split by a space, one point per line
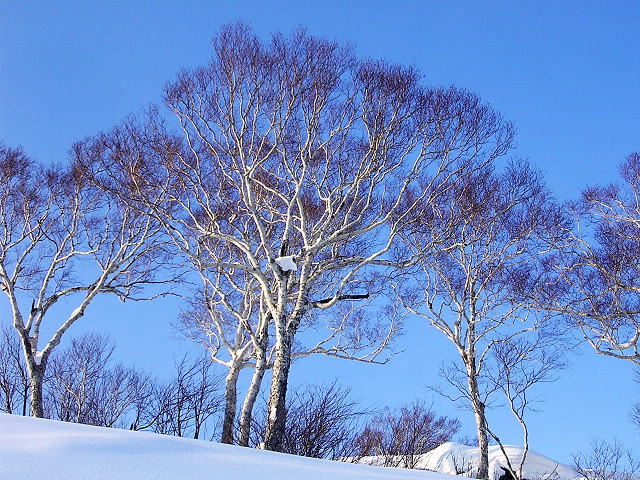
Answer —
37 358
47 449
286 263
450 455
273 414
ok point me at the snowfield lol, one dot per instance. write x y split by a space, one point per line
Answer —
45 449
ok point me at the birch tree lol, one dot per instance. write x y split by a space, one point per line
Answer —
236 336
136 162
63 243
294 170
475 288
319 152
520 364
595 283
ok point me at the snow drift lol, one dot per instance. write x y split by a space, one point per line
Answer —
46 449
462 460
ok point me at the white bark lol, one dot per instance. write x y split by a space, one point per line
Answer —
477 287
262 364
65 239
230 402
294 149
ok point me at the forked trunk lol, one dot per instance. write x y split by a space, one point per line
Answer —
36 371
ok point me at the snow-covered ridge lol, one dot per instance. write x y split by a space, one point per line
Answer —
46 449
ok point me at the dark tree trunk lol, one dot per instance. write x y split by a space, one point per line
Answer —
36 377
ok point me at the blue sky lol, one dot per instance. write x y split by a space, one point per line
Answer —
566 73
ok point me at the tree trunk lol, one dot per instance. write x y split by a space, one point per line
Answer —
481 422
277 412
230 397
483 442
35 371
250 400
25 398
36 378
7 403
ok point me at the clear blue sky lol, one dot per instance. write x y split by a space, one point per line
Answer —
566 73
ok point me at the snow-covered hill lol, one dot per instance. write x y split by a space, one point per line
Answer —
454 458
44 449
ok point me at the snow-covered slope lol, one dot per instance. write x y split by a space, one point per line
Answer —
37 449
454 458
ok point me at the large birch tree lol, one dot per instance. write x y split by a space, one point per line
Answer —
294 170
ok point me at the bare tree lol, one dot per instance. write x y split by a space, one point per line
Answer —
75 375
595 283
397 439
476 288
236 338
521 364
294 171
312 148
226 315
195 397
322 422
61 238
84 386
185 406
14 378
606 461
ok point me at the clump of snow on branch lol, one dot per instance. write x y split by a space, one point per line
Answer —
37 358
287 264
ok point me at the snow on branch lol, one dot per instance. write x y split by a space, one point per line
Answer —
287 264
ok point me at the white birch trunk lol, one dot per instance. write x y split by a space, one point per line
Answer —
481 420
250 399
230 402
276 418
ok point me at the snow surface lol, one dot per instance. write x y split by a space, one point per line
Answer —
47 449
453 457
37 449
